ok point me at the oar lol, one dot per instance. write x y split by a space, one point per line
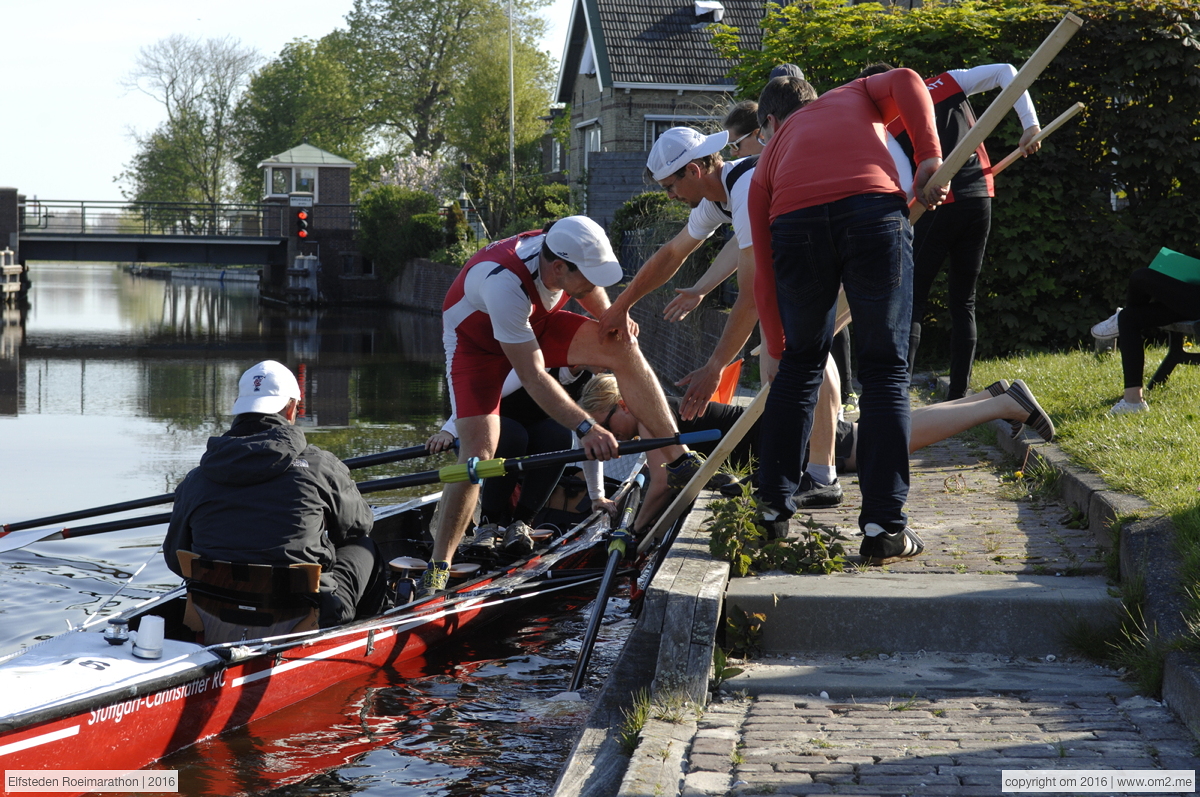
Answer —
365 461
488 468
451 473
1062 119
1000 106
616 552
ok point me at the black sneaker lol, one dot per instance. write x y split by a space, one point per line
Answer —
721 481
680 472
776 529
814 495
885 548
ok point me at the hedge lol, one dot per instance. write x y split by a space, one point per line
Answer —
1106 191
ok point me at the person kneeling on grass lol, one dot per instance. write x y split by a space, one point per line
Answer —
999 401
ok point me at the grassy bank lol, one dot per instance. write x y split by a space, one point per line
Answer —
1151 454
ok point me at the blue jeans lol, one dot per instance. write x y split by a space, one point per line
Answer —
863 243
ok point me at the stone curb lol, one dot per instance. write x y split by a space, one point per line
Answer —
1147 552
669 653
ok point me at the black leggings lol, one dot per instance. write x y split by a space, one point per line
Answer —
518 440
1153 299
959 231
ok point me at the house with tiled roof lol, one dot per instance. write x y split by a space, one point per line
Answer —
632 69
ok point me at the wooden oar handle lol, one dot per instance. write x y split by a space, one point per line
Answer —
1062 119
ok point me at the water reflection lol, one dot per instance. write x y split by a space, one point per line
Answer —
111 384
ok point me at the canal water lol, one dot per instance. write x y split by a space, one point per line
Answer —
110 385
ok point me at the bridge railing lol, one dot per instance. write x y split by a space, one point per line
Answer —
248 220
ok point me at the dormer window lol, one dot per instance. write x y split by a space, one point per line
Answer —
708 11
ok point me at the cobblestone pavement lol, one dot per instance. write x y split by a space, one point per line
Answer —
784 744
975 517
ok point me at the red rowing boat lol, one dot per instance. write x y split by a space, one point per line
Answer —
75 702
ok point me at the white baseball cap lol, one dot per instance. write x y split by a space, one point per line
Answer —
680 145
266 388
581 241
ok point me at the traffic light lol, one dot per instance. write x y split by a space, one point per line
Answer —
302 219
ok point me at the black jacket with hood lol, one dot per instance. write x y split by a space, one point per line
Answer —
262 495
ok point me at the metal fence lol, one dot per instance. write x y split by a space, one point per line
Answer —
75 217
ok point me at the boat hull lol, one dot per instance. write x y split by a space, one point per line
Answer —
131 727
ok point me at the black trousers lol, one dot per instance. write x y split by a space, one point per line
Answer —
1153 299
958 232
358 584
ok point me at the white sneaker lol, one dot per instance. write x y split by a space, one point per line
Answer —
1123 407
1108 327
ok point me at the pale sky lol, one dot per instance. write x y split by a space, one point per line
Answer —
65 120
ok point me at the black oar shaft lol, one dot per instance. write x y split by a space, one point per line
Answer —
616 552
365 461
384 457
67 517
452 473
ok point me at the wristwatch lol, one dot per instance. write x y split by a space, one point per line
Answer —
584 427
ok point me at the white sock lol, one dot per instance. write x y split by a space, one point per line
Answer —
822 474
872 530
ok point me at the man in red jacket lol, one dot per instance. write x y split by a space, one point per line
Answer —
827 210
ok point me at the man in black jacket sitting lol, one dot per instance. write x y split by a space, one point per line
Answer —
263 495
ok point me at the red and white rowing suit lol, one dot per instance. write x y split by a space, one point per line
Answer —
499 297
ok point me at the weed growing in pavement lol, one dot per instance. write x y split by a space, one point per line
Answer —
905 706
633 720
743 631
722 672
1136 648
738 538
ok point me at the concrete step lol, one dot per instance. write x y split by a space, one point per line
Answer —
900 675
880 612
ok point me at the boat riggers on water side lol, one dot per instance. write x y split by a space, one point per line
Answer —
88 698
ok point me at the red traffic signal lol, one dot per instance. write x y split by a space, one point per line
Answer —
302 224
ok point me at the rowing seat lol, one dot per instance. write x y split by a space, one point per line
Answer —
232 601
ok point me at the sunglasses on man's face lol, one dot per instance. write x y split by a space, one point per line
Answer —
736 144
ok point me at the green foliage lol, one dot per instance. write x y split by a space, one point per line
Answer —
1059 254
738 538
722 672
305 94
397 224
644 210
633 720
188 157
743 631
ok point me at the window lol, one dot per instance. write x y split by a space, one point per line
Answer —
281 181
591 142
556 156
307 180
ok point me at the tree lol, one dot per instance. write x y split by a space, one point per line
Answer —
198 83
306 94
412 59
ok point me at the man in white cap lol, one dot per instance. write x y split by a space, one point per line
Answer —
688 164
504 312
263 495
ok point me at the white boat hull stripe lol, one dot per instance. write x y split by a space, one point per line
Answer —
35 741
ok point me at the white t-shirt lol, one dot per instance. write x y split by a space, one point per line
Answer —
707 217
493 289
